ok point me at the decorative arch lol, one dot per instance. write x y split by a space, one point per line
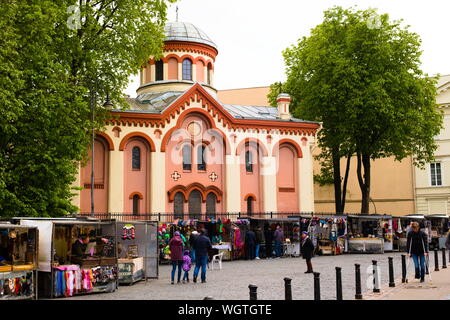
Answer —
290 142
172 55
108 139
250 195
186 190
180 120
136 194
201 59
137 134
253 141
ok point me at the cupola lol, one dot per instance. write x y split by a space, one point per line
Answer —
188 57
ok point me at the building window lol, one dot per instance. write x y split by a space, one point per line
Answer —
250 206
208 73
211 200
136 158
248 161
195 205
436 177
201 158
187 69
159 70
135 204
178 206
187 157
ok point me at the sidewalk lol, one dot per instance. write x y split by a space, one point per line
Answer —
438 288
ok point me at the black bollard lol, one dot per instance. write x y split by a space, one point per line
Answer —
208 298
376 285
338 283
253 295
436 260
287 289
404 280
316 286
358 294
444 260
391 272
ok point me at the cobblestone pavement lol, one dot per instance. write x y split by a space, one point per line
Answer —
231 283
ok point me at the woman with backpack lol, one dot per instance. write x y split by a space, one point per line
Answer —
417 247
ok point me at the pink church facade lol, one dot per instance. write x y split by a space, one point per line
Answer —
177 149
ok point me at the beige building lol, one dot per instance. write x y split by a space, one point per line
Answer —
392 190
433 182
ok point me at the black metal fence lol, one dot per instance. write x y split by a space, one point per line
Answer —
170 216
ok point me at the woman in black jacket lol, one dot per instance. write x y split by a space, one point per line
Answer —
307 250
417 246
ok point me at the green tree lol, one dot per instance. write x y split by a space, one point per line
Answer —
359 74
51 62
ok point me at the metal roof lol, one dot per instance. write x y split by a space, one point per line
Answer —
257 113
157 102
185 31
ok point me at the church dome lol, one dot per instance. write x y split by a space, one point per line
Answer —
185 31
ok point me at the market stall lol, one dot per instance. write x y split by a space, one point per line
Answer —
438 227
220 233
76 255
369 233
328 234
137 249
18 262
291 230
401 225
166 231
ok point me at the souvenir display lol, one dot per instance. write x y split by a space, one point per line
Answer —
370 233
18 262
328 234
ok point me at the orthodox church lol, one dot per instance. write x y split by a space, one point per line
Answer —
177 149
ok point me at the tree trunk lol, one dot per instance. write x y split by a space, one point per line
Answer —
344 187
337 181
364 180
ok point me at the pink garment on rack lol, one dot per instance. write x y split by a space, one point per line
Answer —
72 267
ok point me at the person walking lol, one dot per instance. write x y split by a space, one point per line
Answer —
259 240
268 235
201 246
417 247
187 262
192 239
250 241
278 237
176 255
307 250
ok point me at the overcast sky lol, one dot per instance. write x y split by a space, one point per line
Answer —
251 34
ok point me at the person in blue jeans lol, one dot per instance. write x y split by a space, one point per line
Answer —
278 236
201 246
417 246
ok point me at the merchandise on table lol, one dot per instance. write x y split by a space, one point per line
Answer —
438 227
137 247
369 233
76 256
328 233
18 262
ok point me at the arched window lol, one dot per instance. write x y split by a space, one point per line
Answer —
211 200
201 158
208 73
159 70
135 204
195 205
187 157
187 69
136 158
178 206
248 161
250 206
